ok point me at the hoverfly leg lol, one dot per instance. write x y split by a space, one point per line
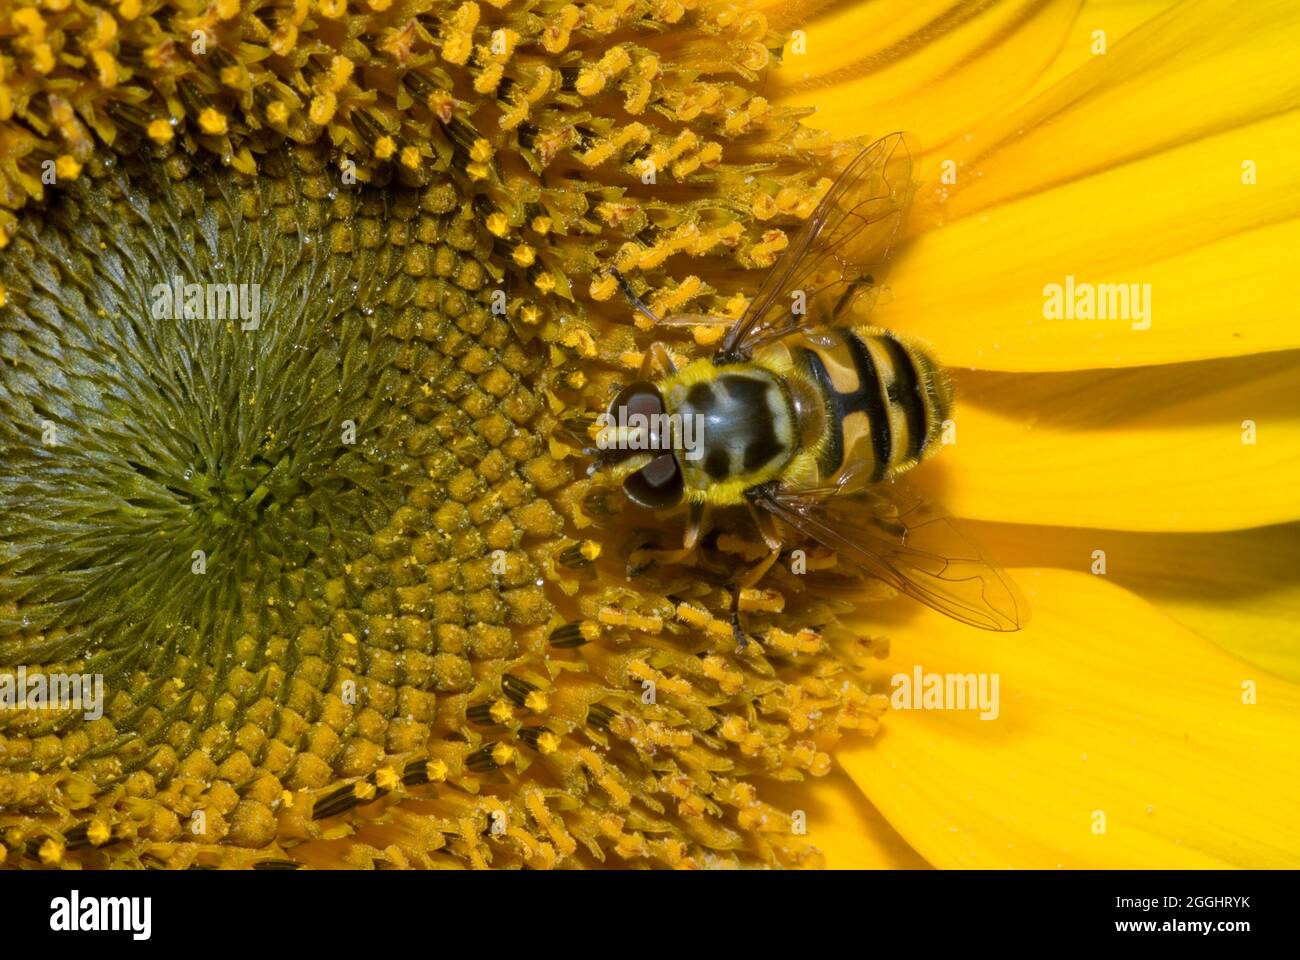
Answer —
767 530
645 557
743 583
737 632
657 356
632 298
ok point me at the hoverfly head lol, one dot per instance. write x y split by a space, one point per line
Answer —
636 448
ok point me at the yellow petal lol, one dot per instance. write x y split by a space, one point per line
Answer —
1144 449
1238 589
1110 714
1197 70
1202 261
1115 18
931 68
844 825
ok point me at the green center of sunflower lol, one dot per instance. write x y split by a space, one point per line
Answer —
181 470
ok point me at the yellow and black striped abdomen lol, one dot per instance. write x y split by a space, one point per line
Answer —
884 400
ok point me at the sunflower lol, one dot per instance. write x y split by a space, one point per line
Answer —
357 601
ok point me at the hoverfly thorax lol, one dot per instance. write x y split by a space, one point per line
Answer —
637 447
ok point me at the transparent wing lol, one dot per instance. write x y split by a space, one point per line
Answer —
851 230
898 536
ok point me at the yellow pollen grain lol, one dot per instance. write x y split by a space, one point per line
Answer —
575 338
805 641
98 833
322 108
106 66
555 38
603 288
284 39
701 620
490 78
716 669
590 81
686 291
51 852
765 600
66 167
43 58
211 121
614 617
387 778
30 21
340 72
515 115
707 336
765 253
457 47
385 147
537 701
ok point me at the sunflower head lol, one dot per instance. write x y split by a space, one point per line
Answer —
300 356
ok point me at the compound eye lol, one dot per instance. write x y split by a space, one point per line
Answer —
658 485
641 397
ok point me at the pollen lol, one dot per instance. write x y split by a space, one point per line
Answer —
212 122
66 167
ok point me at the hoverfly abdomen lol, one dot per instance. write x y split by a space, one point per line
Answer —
884 400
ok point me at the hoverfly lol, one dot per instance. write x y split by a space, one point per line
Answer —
812 420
